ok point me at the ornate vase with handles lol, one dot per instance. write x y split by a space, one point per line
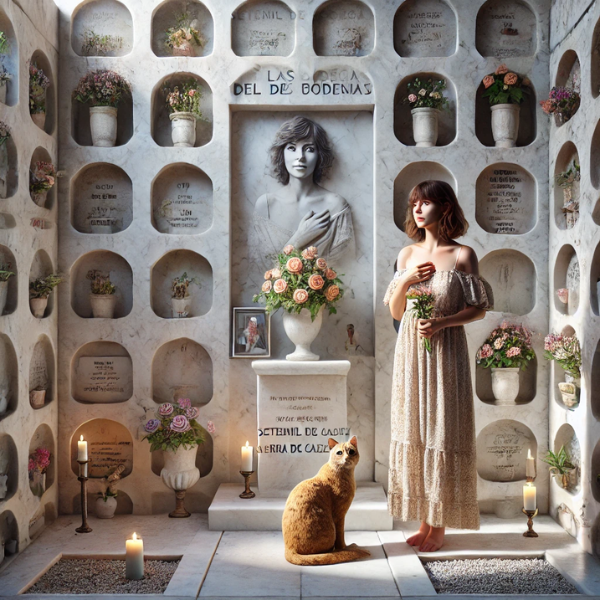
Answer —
505 385
505 124
179 474
302 331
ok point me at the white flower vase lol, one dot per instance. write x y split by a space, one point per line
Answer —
425 126
37 398
103 125
3 296
302 331
40 197
179 474
505 385
39 119
105 509
185 49
505 124
37 482
570 390
183 129
181 307
103 305
38 307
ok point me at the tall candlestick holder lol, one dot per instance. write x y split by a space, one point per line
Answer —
83 477
247 493
530 515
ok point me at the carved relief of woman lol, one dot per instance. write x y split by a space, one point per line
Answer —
302 213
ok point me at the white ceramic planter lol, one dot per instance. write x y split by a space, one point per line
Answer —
37 398
105 509
505 385
570 390
425 126
186 49
183 129
39 119
103 125
3 296
180 471
103 305
302 331
38 306
505 124
181 307
40 198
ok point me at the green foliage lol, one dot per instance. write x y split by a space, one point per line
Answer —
505 87
4 43
5 272
184 97
426 93
42 286
560 462
180 285
508 346
565 179
182 32
101 284
100 45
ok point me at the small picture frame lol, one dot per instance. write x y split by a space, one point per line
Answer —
250 333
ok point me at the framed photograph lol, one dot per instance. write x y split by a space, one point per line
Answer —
250 333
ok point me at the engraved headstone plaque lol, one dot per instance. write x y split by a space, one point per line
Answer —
103 379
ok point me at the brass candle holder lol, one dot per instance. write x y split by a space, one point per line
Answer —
247 493
530 515
85 528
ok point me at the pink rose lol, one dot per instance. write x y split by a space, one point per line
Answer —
192 412
502 69
210 427
313 251
180 424
510 79
266 286
332 292
184 403
487 81
330 274
288 249
294 265
191 92
514 351
269 274
280 286
412 98
316 282
321 264
164 410
300 296
276 273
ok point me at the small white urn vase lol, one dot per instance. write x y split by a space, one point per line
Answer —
425 126
38 307
40 197
181 307
3 296
179 474
105 509
183 129
37 398
505 385
103 305
185 49
570 390
505 124
39 119
103 125
302 331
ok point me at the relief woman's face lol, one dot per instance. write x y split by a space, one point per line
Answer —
426 212
301 158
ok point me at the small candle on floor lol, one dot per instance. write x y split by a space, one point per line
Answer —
82 450
134 558
247 457
530 465
529 500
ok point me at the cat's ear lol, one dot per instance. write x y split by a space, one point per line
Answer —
354 442
332 443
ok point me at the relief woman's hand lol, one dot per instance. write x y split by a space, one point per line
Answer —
311 226
419 273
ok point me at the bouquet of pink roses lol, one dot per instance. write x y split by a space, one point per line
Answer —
422 307
39 460
509 345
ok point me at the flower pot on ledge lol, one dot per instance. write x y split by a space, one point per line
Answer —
181 307
505 385
39 119
103 125
302 331
425 126
179 474
570 390
183 129
105 509
38 307
103 305
186 48
505 124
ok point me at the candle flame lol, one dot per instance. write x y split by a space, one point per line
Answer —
247 444
529 453
81 438
135 536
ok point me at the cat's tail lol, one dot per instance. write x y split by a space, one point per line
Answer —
352 552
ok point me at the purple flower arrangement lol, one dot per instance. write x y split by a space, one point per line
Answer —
562 101
102 88
176 425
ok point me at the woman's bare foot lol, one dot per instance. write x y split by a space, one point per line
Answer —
418 538
434 540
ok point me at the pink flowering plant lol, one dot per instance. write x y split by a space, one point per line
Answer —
38 84
565 350
176 425
183 31
39 460
42 177
424 303
300 280
102 88
184 97
505 87
562 102
509 345
426 93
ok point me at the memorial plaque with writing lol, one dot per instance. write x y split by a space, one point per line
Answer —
103 379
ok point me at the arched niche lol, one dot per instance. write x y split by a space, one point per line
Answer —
9 466
101 28
41 60
527 384
411 175
121 276
109 445
502 448
182 200
567 277
595 61
263 28
101 373
506 199
507 271
558 374
161 123
568 73
7 260
41 154
506 28
7 221
182 368
563 196
44 438
124 502
527 118
595 157
165 16
9 377
403 120
343 28
595 471
425 28
10 60
101 199
8 168
9 532
566 436
204 456
174 264
42 371
42 267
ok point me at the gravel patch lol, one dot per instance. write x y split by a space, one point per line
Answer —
93 576
497 576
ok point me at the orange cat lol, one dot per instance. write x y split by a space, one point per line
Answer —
315 511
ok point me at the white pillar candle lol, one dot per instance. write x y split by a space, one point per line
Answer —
81 449
529 502
530 465
134 558
247 457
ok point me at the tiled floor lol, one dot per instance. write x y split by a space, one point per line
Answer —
250 564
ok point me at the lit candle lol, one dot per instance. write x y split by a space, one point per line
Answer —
134 558
247 457
529 496
82 449
530 465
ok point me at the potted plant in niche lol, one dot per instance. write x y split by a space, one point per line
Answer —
562 102
426 100
38 465
569 181
103 90
183 103
106 503
39 292
41 180
507 350
505 90
183 37
303 285
566 351
181 299
4 135
37 396
38 84
176 432
5 275
102 297
561 465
